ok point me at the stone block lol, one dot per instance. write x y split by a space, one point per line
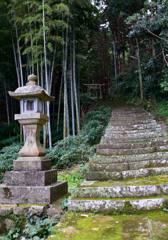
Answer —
4 211
33 194
32 163
38 210
31 178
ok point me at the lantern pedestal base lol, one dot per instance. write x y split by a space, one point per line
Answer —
33 194
31 178
32 163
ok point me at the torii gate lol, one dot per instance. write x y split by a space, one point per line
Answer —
95 86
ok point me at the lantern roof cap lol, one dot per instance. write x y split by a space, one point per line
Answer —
31 90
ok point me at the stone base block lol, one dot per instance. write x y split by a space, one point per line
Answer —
36 194
32 163
31 178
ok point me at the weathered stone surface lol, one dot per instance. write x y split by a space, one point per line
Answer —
36 194
119 192
31 178
103 176
10 224
38 210
135 173
32 163
115 205
4 211
55 212
109 167
125 151
20 211
129 158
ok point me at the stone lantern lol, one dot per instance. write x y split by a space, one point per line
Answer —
32 179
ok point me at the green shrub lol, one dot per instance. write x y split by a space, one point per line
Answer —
93 132
7 155
8 141
40 230
12 130
69 151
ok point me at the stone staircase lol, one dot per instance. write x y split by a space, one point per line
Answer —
129 172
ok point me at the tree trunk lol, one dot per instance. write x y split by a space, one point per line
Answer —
72 88
20 60
47 84
139 68
74 80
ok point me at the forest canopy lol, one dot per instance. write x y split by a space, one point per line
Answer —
69 43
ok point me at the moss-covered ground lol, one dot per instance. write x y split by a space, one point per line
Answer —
92 226
153 180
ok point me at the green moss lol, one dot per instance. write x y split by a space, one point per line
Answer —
166 203
153 180
7 192
81 226
126 199
127 207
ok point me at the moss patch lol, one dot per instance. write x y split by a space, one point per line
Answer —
81 226
153 180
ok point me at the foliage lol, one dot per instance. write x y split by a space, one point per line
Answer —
7 155
9 141
149 26
85 100
69 151
12 130
73 149
40 230
64 204
29 228
74 177
93 131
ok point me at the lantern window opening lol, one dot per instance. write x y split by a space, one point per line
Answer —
30 105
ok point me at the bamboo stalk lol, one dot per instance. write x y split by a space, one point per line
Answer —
74 80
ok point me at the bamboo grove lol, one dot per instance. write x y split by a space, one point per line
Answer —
43 35
69 43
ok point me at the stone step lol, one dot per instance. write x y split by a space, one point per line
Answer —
128 174
132 145
130 118
128 123
112 192
131 151
129 158
135 127
114 206
132 140
126 151
134 136
113 167
112 131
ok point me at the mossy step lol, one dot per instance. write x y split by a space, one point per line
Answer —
152 180
129 158
127 166
120 191
112 206
133 145
129 174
